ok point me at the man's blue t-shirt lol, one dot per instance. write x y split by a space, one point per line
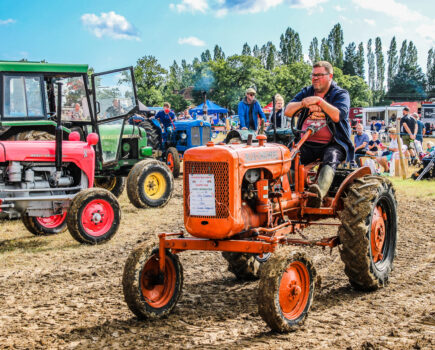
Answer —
420 126
360 139
378 126
165 119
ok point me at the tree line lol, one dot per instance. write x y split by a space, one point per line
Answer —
283 70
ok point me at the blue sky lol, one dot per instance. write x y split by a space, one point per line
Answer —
110 34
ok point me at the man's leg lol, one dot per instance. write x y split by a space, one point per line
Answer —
332 157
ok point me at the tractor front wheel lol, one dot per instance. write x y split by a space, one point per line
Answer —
368 232
150 184
114 184
173 161
94 216
44 226
147 292
286 290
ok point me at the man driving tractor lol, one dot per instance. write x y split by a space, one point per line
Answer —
326 103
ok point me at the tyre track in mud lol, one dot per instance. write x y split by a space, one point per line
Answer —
58 294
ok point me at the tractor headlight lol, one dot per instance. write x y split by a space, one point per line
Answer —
252 175
183 136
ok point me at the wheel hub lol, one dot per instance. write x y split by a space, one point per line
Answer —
378 233
96 218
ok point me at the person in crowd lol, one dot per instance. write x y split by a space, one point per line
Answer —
408 131
186 115
430 147
281 119
250 111
77 113
378 125
332 144
166 118
361 143
393 147
374 145
115 109
421 130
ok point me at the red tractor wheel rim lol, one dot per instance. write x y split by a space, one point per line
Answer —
294 290
377 237
52 221
170 161
155 293
97 217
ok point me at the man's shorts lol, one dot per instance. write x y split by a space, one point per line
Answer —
408 141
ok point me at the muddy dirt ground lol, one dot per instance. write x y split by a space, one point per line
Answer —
56 293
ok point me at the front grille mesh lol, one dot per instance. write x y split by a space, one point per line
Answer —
205 135
196 136
220 172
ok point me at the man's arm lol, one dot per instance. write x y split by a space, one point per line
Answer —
363 145
292 107
261 111
241 113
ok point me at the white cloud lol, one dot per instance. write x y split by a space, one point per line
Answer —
338 8
191 40
7 21
306 4
190 5
345 19
427 31
221 12
391 8
370 22
111 25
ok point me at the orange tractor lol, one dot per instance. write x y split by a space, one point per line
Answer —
250 200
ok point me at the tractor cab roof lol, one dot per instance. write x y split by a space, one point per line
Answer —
42 67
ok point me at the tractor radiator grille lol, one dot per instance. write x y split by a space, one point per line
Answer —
196 136
220 172
205 135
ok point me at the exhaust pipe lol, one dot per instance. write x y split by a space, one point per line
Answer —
59 134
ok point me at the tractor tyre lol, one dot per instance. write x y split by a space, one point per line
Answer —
114 184
368 232
173 161
150 184
246 267
154 138
94 216
146 292
45 226
286 290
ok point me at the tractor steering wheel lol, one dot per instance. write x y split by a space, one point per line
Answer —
303 114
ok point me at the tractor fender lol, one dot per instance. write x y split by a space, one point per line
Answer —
360 172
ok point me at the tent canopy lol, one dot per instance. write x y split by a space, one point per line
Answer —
212 108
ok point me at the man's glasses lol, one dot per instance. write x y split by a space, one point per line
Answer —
319 75
251 94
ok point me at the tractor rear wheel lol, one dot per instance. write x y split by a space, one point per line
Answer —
44 226
94 216
368 232
153 134
246 267
173 161
114 184
286 290
150 184
147 293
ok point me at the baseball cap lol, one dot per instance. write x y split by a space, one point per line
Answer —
251 91
406 108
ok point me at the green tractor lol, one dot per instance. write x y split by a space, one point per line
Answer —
28 112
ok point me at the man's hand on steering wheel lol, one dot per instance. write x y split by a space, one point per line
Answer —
311 100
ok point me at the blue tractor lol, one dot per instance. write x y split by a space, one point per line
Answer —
170 148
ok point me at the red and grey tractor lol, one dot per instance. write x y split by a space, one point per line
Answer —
251 202
50 183
29 103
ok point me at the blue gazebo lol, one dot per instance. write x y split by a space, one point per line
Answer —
212 108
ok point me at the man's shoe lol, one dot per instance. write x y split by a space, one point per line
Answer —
326 176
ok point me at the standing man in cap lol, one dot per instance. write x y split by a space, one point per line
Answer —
332 144
249 111
408 131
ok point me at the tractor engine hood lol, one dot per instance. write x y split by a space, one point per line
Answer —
77 152
213 176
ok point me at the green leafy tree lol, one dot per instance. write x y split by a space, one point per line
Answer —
359 92
325 53
350 57
150 77
431 70
271 54
403 54
290 47
246 51
393 61
218 53
313 51
335 43
256 51
288 80
371 65
359 61
380 69
206 56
